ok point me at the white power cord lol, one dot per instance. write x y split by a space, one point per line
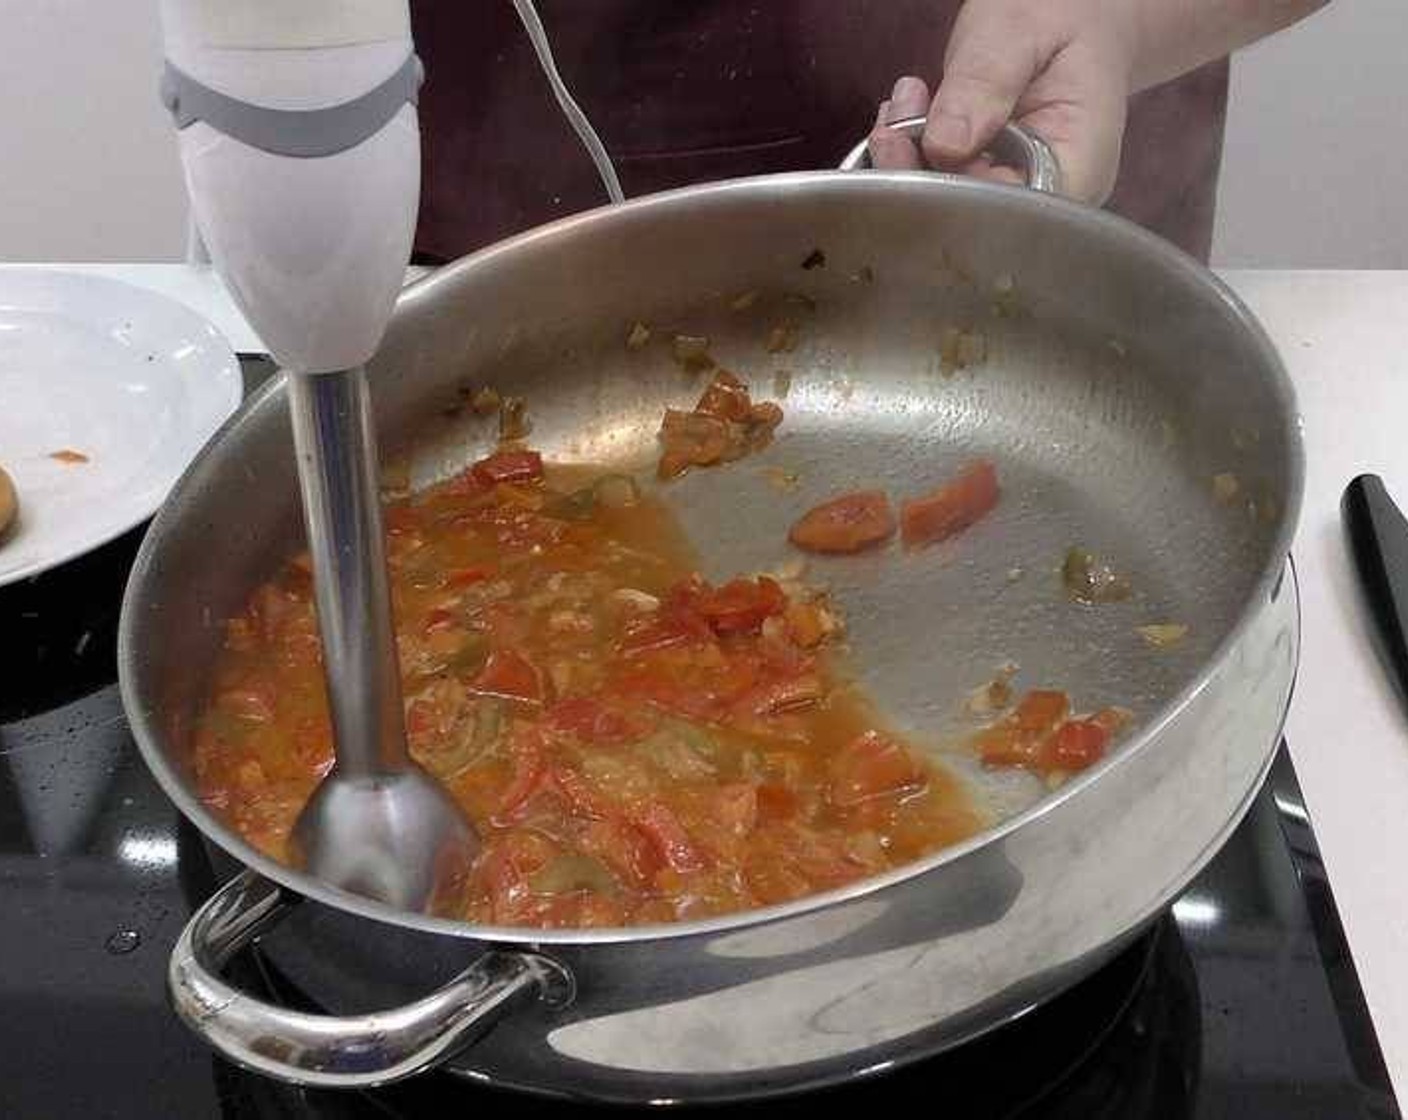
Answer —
601 160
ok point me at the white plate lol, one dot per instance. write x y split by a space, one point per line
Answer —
133 380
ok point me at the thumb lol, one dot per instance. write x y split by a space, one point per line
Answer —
989 66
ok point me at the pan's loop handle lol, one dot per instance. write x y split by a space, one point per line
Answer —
337 1051
1016 145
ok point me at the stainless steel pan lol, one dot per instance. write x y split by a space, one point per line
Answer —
1120 380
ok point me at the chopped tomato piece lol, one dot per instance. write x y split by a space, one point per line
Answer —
872 765
508 466
791 694
589 720
950 509
400 520
765 415
437 619
467 577
653 633
1075 745
806 624
823 859
624 848
849 523
511 676
254 705
682 605
773 879
598 911
1003 745
725 425
240 634
726 398
1113 720
689 440
776 802
582 796
1018 739
664 829
421 718
253 702
741 605
735 807
507 865
1038 735
1040 710
667 692
529 770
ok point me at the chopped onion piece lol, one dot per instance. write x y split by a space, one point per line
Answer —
636 599
692 352
485 400
1089 580
513 419
960 349
1163 635
1225 487
782 339
994 695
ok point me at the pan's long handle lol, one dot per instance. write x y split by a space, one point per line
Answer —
337 1051
1015 145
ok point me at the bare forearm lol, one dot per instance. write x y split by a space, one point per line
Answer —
1171 37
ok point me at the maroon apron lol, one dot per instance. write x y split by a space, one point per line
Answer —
684 91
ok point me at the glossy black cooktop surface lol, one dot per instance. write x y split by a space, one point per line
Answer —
1240 1002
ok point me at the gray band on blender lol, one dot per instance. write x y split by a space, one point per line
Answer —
301 133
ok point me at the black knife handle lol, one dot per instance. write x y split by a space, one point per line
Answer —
1378 542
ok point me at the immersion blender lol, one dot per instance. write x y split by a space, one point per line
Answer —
301 149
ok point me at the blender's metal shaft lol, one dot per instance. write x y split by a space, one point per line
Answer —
337 473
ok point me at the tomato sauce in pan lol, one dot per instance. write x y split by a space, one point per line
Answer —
634 744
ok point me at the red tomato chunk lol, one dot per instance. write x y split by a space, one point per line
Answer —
951 508
508 466
850 523
1039 735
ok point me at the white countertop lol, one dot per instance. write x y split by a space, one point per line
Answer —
1344 337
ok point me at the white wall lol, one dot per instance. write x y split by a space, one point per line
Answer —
1315 166
1315 172
88 169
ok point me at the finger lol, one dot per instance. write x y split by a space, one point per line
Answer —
910 98
893 150
990 63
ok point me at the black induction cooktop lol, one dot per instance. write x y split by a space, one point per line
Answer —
1241 1001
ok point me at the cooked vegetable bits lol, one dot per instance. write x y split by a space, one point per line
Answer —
634 744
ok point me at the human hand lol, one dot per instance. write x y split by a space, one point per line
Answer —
1060 67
